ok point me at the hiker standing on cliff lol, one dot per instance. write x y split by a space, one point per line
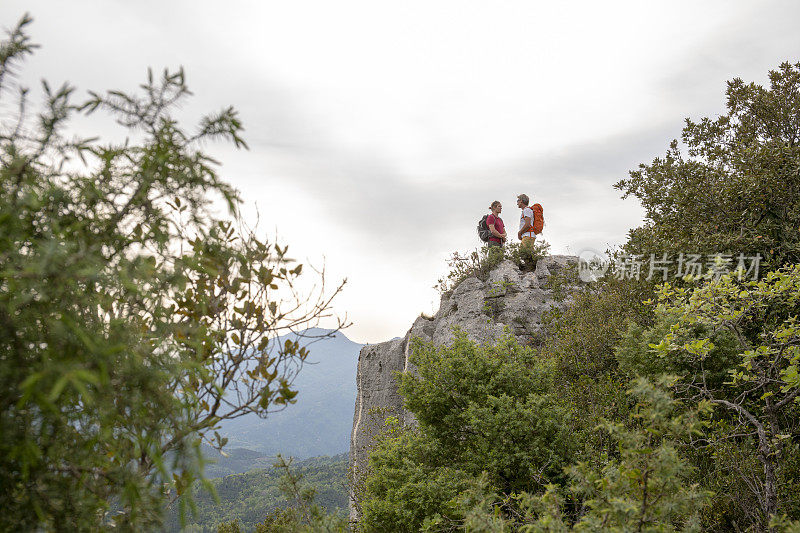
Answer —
497 230
525 234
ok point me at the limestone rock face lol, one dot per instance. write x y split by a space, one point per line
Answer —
482 309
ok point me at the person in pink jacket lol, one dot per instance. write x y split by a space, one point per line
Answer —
497 229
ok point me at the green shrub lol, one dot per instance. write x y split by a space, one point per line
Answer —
645 487
481 410
481 262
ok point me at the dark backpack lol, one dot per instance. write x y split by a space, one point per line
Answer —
483 229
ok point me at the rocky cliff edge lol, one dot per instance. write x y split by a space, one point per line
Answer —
483 309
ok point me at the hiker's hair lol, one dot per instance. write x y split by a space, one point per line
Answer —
494 204
524 198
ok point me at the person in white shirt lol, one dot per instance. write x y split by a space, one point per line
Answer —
525 234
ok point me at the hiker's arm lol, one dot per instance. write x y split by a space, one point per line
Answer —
526 228
495 232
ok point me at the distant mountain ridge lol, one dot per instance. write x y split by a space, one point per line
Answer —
319 423
235 461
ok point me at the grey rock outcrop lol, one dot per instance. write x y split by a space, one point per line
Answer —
509 298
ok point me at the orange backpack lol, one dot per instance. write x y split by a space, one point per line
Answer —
538 218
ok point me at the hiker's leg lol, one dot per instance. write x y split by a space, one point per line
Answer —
495 249
526 252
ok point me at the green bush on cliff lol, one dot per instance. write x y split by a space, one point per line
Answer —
480 409
496 450
735 344
645 486
480 262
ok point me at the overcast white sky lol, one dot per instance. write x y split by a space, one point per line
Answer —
380 132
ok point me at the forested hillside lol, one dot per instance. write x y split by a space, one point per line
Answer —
250 497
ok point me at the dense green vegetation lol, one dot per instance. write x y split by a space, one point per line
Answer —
480 409
254 497
672 407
